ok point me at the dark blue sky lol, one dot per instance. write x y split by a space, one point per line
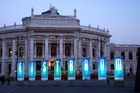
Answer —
121 17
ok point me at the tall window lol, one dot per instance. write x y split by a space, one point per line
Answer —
53 51
131 70
137 55
84 52
123 55
67 51
112 55
93 52
0 52
112 66
21 52
130 55
38 66
0 68
39 51
9 69
94 66
10 52
66 65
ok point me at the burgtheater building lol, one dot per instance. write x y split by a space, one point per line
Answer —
51 36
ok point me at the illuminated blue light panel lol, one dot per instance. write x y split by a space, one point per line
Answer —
86 68
32 71
20 71
118 68
101 68
44 70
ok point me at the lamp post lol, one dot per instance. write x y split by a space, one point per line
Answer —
17 59
101 50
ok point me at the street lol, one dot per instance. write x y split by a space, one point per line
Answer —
65 86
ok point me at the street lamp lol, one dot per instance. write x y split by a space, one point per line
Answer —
101 50
17 59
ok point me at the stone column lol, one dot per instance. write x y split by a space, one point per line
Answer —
46 49
35 48
3 57
134 55
57 49
126 55
80 53
13 58
31 48
108 52
64 51
43 48
99 48
49 49
61 50
90 55
105 50
26 57
75 51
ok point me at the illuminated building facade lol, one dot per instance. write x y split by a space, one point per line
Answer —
51 36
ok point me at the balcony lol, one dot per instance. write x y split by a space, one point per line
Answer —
13 27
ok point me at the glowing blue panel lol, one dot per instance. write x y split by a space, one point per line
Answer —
101 68
71 69
32 71
20 70
57 69
44 70
118 68
86 68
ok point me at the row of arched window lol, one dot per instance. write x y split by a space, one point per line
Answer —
20 52
53 51
130 55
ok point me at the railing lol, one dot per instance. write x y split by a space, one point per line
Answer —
52 16
94 29
14 27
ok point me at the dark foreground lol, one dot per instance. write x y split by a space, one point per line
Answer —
65 86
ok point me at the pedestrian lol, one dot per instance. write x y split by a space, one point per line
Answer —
8 80
2 80
108 82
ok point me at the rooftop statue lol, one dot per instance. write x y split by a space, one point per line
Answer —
53 10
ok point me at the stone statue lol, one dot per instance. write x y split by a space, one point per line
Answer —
53 10
32 12
75 13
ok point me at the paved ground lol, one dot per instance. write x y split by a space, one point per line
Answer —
65 86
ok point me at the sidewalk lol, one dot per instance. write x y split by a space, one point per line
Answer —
93 84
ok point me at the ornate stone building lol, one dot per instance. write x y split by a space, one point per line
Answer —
51 36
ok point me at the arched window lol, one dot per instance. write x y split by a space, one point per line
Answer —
123 55
84 52
21 52
0 52
10 52
131 70
112 66
94 66
53 51
112 55
137 55
93 52
66 65
0 68
39 51
67 51
130 56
